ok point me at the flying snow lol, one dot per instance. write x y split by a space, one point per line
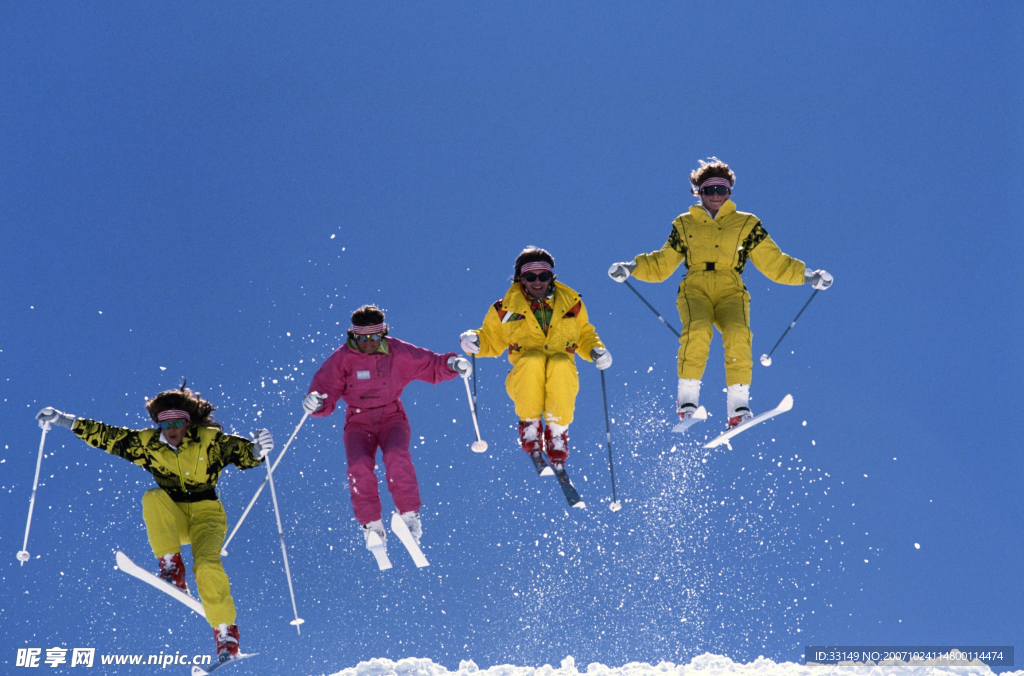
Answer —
702 665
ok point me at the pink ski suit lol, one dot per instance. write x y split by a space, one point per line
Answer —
371 385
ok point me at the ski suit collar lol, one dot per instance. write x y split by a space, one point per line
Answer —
383 349
564 298
542 308
698 210
547 298
191 435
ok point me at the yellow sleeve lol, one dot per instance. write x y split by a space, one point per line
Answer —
492 335
588 334
659 265
773 264
119 441
229 449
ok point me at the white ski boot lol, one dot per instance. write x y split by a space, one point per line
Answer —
412 522
688 398
737 398
375 536
374 527
687 406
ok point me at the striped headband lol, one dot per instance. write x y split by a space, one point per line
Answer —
536 266
173 414
715 181
369 330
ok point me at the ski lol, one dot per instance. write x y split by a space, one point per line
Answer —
376 546
199 671
399 528
571 494
785 405
136 571
543 469
699 415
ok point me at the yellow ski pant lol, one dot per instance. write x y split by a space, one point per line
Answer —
171 524
544 386
708 299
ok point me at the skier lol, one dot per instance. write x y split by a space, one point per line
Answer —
543 324
714 241
184 508
369 373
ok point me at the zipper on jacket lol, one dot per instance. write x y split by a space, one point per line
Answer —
181 476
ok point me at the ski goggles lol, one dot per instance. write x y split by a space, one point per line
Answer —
169 424
534 276
715 190
362 337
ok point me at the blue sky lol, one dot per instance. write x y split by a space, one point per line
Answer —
209 191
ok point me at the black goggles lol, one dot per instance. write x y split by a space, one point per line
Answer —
534 276
715 190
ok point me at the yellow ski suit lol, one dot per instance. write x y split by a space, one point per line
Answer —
185 508
543 381
715 251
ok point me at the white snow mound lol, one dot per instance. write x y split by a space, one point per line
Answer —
703 665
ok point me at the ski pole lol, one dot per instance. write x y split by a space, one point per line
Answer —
23 555
224 548
626 282
479 446
474 380
766 359
284 550
616 505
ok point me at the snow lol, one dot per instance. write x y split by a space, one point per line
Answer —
704 665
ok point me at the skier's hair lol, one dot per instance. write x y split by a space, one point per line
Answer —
713 168
532 254
367 315
184 399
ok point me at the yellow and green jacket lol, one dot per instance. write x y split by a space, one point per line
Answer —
723 243
188 475
511 323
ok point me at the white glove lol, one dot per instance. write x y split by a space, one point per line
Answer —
818 279
263 444
470 342
620 271
602 358
51 416
461 366
313 402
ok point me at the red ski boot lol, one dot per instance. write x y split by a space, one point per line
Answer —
557 438
227 642
172 571
743 414
530 436
532 440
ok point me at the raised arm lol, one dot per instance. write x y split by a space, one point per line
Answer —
417 363
769 259
228 449
659 265
330 382
119 441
